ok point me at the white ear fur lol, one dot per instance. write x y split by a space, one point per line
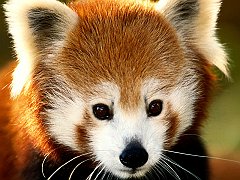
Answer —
195 21
38 28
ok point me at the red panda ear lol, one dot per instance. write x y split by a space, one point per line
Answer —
39 29
195 22
38 25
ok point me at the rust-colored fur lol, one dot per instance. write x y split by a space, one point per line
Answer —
72 53
7 160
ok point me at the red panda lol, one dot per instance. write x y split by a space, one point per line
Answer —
110 89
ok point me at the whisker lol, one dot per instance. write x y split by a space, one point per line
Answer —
157 169
170 170
109 176
70 176
104 174
147 176
90 175
99 173
176 164
43 162
66 164
201 156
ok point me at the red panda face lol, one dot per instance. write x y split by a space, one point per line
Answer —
128 83
118 81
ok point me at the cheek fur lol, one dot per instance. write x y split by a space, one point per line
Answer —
83 138
84 135
70 123
172 121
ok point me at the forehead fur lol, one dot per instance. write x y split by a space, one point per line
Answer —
123 41
121 44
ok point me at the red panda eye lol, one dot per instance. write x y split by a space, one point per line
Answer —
155 108
102 112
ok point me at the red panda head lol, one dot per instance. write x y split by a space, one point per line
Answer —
114 78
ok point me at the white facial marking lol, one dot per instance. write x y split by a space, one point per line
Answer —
110 138
64 118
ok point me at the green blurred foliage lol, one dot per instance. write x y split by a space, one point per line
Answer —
222 131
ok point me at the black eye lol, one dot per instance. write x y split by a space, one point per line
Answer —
155 108
102 112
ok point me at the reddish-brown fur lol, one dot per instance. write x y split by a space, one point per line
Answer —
127 48
7 163
15 143
143 49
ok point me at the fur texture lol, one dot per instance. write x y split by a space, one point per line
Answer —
125 55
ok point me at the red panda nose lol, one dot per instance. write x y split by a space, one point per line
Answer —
134 155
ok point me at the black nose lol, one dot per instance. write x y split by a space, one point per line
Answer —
134 155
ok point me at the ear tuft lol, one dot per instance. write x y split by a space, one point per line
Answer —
38 24
45 26
195 22
39 29
178 11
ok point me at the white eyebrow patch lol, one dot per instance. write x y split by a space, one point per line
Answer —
181 97
105 92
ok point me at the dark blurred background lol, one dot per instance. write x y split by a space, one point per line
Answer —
222 131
